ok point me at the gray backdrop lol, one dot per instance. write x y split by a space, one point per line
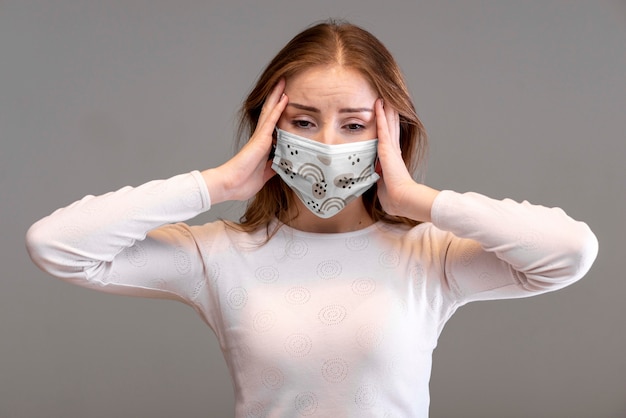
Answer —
522 99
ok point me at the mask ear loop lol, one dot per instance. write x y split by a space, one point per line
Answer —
275 136
274 139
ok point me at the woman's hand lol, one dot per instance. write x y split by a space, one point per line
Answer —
398 193
241 177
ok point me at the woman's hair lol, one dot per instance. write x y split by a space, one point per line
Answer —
347 45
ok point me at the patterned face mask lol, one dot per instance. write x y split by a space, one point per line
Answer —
325 177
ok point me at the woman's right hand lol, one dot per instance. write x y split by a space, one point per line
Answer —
241 177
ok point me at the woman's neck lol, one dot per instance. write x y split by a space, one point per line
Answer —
351 218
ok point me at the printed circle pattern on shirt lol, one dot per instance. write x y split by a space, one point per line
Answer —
295 311
182 262
297 295
329 269
306 403
364 287
73 234
335 370
273 378
366 396
237 298
137 256
332 314
296 248
255 410
264 321
298 345
266 274
357 243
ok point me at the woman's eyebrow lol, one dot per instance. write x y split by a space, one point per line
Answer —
343 110
304 107
355 110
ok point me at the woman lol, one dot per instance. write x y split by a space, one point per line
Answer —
329 295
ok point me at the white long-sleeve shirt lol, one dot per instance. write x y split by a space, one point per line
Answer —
315 324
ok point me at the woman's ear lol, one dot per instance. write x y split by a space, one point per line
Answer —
272 150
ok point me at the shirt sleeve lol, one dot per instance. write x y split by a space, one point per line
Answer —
128 242
505 249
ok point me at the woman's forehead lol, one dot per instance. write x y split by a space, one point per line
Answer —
330 84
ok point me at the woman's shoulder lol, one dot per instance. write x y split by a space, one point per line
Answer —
406 231
228 233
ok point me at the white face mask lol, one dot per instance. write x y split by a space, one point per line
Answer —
325 177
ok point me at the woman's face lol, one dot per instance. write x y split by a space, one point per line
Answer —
331 105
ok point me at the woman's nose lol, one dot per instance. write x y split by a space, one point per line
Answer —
328 136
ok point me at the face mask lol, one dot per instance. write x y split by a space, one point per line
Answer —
325 177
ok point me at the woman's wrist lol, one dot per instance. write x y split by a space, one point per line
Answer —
420 202
214 185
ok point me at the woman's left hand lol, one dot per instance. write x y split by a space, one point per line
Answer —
398 193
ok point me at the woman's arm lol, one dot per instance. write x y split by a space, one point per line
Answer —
126 241
500 248
121 242
506 249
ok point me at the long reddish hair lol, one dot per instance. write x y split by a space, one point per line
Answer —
350 46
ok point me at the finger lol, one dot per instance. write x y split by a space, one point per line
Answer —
273 99
269 123
393 125
387 122
274 95
389 151
381 121
383 138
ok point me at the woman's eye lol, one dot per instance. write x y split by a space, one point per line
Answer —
302 124
354 127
